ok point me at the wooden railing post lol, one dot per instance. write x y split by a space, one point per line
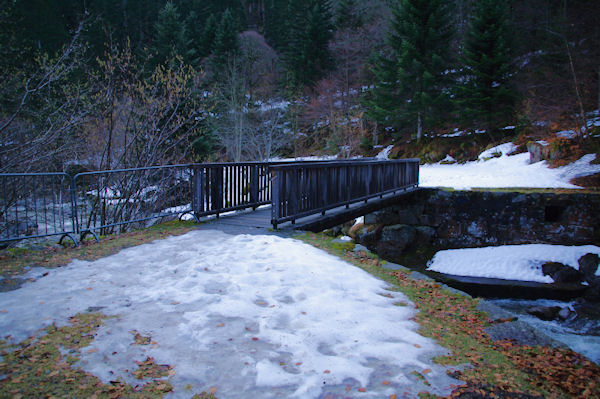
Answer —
216 188
198 185
254 186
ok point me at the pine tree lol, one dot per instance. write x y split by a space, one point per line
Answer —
345 15
412 84
307 54
226 43
487 95
171 39
276 23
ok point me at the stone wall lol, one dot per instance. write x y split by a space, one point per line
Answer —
433 219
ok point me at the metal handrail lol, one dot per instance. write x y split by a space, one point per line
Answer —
37 205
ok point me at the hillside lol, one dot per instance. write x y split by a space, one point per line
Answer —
105 84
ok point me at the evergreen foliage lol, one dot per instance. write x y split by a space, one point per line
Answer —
306 54
171 40
412 83
345 15
486 95
226 43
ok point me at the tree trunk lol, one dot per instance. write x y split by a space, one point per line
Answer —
419 127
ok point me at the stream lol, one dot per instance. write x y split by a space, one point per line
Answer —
580 332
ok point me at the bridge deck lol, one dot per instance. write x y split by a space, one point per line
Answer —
259 221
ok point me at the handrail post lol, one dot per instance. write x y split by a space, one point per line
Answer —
254 186
197 189
275 196
73 192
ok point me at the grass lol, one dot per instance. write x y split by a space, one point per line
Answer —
45 365
14 262
497 369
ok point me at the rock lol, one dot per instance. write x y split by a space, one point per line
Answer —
550 268
564 313
425 234
400 235
355 229
538 151
544 312
368 235
592 294
359 248
588 265
568 275
561 273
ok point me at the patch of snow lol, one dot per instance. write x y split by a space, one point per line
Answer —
359 220
509 128
448 159
505 171
255 316
502 149
567 134
346 238
509 262
385 153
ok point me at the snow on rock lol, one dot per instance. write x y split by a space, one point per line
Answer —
505 171
385 153
502 149
508 262
254 316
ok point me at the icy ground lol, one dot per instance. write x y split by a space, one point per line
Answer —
505 171
509 262
253 316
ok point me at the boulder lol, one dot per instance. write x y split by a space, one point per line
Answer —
368 235
538 151
568 275
398 235
561 273
544 312
592 294
565 313
588 266
550 268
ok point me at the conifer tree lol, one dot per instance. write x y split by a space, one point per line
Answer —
226 43
345 15
276 23
171 39
412 83
487 95
309 30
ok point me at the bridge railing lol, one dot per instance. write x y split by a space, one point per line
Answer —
111 201
38 205
35 205
301 190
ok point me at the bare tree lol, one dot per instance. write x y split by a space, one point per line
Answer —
41 117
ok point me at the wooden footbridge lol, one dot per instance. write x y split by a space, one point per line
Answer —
308 195
305 195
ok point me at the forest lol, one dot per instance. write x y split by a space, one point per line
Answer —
105 84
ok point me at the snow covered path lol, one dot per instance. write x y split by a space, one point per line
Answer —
253 316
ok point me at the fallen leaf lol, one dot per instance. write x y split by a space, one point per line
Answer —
213 390
393 396
417 345
327 371
426 371
386 382
362 389
254 339
220 324
93 350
